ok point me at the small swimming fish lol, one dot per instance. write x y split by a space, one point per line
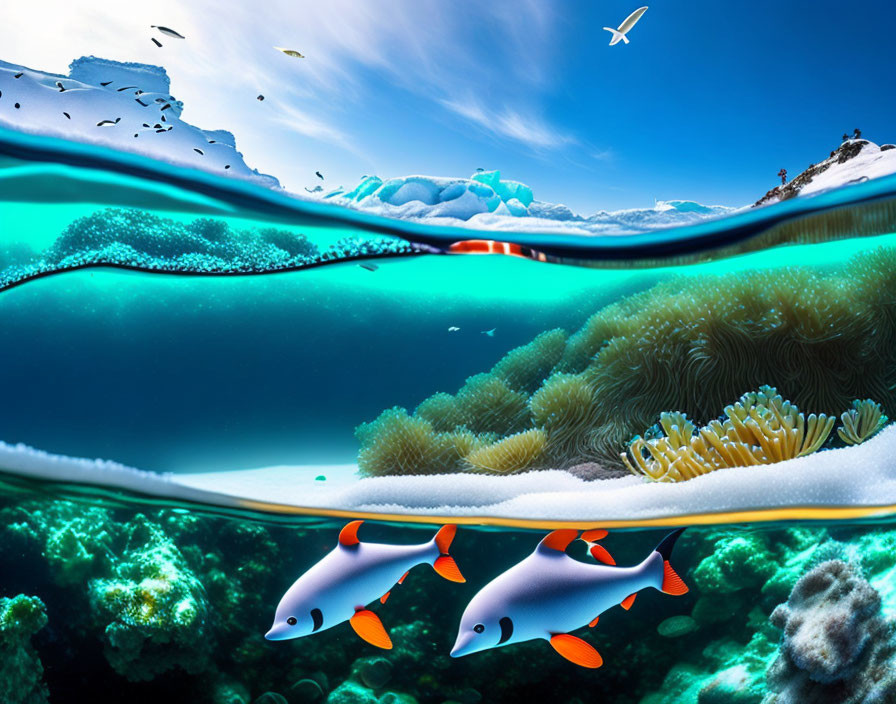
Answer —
496 247
454 328
489 333
549 594
339 587
290 52
319 175
167 31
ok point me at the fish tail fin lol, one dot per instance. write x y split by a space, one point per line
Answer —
444 564
672 583
617 36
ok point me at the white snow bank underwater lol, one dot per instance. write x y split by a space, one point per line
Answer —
487 201
124 106
854 478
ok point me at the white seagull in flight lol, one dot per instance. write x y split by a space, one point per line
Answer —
627 24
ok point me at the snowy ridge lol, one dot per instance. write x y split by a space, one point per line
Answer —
487 201
860 476
127 107
854 161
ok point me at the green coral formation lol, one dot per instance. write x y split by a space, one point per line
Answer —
761 428
823 337
21 672
154 608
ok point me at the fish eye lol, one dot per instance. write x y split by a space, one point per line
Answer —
479 628
292 621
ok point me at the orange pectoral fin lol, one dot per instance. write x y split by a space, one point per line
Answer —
447 568
628 601
594 622
576 650
348 536
599 553
368 625
384 597
592 536
403 576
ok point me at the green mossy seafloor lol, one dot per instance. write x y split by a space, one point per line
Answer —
167 604
824 336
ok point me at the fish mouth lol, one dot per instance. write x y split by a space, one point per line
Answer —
276 633
462 646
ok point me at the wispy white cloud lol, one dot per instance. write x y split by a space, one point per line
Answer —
511 124
431 49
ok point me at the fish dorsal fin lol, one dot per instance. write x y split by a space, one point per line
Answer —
369 627
599 553
592 536
628 601
576 650
384 597
557 541
594 622
348 536
404 576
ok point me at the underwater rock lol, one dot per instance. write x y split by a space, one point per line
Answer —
836 646
676 626
352 693
305 691
397 698
270 698
374 672
153 609
592 471
736 562
21 672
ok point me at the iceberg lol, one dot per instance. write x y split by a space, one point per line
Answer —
125 106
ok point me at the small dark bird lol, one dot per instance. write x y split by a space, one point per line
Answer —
165 106
146 105
319 175
67 115
316 189
479 168
17 106
18 75
108 123
105 83
60 86
260 98
124 88
212 141
226 166
168 32
198 151
156 42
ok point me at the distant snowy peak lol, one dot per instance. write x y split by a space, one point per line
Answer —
124 106
854 161
487 201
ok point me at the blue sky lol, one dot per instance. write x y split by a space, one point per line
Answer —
707 102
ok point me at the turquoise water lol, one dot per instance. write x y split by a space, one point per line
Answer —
190 325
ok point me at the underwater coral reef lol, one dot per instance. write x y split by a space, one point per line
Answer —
136 239
824 338
152 603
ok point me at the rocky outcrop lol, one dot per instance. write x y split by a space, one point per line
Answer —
837 646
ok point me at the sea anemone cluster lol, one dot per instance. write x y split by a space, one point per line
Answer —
761 428
823 338
138 239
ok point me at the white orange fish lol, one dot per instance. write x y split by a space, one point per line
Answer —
549 594
354 574
495 247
